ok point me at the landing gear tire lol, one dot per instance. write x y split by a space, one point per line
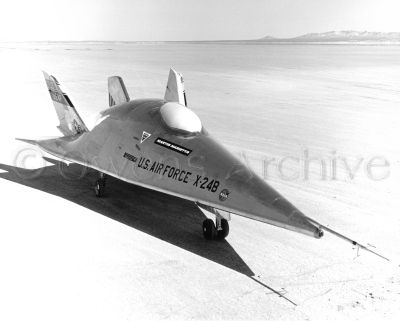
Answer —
223 233
209 230
99 187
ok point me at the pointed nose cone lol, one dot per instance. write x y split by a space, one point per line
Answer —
293 219
247 194
267 205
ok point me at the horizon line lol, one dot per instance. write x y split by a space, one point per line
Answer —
272 38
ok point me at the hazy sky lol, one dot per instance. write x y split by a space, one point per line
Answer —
189 19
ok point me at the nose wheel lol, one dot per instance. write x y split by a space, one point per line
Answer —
209 230
218 231
100 185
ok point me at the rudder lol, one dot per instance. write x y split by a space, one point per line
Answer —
70 121
175 90
117 93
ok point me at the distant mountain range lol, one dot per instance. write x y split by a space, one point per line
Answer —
340 36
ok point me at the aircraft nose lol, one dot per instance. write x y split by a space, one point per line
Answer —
296 219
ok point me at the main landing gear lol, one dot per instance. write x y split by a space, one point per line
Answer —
100 185
217 231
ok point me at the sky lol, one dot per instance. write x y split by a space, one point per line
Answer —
158 20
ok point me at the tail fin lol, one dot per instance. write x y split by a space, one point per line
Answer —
175 89
117 93
70 121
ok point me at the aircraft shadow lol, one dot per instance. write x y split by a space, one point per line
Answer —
171 219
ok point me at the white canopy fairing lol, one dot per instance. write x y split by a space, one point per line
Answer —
176 116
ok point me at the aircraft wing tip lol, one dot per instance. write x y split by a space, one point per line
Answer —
29 141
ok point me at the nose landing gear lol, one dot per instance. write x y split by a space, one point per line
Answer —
209 230
218 231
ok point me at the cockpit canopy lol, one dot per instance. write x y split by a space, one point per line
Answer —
179 117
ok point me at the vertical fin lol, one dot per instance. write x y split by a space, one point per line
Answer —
70 121
175 90
117 93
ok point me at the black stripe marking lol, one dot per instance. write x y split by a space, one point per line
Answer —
172 146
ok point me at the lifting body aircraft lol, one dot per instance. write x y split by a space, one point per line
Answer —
162 145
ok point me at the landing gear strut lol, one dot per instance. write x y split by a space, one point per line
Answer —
100 185
222 228
218 231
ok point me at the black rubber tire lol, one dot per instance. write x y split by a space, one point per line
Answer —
209 230
222 234
99 187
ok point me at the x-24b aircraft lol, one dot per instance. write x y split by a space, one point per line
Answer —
162 145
